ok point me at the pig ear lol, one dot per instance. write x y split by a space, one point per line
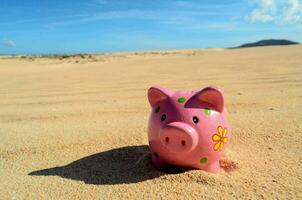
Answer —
209 97
157 94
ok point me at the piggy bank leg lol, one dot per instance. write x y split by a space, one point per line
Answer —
212 167
158 163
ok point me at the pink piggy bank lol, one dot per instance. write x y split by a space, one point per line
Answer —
188 128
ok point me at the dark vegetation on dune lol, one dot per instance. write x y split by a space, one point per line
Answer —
269 42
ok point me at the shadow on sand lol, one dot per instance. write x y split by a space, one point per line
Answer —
129 164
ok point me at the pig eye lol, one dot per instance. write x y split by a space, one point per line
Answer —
163 117
195 119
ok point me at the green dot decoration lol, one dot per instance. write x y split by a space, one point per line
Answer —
181 100
203 160
207 111
157 109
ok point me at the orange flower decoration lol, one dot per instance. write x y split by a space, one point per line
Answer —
220 139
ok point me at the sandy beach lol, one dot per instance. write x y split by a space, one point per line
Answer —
76 127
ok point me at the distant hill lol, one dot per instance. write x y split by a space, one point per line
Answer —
270 42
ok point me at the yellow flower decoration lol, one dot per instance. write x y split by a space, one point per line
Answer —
220 139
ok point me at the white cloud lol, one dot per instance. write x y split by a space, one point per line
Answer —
186 18
278 11
265 12
260 15
8 43
180 14
293 11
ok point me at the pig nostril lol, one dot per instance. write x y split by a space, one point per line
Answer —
183 143
167 139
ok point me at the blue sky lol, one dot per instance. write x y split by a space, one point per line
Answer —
70 26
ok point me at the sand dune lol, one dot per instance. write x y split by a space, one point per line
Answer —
75 128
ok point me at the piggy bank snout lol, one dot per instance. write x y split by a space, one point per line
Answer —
179 137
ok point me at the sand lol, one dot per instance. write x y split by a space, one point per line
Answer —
76 127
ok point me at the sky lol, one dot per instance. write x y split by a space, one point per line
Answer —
91 26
